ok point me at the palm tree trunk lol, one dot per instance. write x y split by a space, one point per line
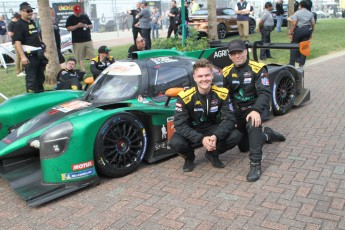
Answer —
212 20
48 37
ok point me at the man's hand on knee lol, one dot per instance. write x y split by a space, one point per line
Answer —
209 142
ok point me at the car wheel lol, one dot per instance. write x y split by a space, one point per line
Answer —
284 93
252 26
221 31
120 146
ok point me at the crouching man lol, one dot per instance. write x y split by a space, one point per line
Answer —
70 78
196 119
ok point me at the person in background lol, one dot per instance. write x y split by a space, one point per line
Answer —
36 19
280 15
295 6
81 27
302 27
101 62
135 29
266 25
155 22
196 122
250 95
172 22
10 32
57 36
144 23
3 30
139 45
195 6
28 45
69 78
242 9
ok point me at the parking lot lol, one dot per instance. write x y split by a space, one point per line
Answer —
302 185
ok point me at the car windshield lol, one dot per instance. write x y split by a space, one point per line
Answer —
113 88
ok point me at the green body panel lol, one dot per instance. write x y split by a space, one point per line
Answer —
194 54
86 124
23 107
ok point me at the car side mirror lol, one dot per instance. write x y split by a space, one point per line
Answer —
170 93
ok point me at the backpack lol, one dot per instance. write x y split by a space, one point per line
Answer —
178 18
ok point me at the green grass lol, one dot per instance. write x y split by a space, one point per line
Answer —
327 39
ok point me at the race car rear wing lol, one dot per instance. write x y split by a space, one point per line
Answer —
218 53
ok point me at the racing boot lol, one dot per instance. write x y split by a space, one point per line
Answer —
254 172
188 164
273 136
214 159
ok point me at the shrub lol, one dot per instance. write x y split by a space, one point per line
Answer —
193 42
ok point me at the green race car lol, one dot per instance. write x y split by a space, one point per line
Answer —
56 142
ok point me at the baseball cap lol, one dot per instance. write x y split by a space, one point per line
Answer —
103 49
236 45
77 9
25 6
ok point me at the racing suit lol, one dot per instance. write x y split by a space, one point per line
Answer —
97 66
249 90
69 79
196 116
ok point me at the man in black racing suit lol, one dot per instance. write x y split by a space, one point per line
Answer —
196 119
250 94
70 78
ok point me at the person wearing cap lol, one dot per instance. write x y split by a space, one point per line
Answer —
28 45
196 123
70 78
101 62
250 96
144 24
140 45
242 9
266 25
81 26
10 32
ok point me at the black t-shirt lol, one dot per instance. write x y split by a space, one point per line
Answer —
10 28
132 48
135 20
27 33
173 11
79 35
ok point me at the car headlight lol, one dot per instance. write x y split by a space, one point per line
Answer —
54 141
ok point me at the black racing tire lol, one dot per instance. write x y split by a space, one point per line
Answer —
221 29
252 26
120 146
283 93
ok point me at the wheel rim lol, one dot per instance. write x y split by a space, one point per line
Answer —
286 92
221 31
123 145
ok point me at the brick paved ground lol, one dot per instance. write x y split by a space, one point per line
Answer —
302 186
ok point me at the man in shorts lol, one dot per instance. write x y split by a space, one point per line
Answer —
81 27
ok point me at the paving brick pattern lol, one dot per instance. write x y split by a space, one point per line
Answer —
302 186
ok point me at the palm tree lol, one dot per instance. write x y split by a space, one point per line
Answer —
48 37
212 20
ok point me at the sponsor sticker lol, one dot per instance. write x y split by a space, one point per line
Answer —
247 80
214 109
234 75
214 102
236 82
77 175
178 109
83 165
265 81
72 105
247 74
198 110
170 126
